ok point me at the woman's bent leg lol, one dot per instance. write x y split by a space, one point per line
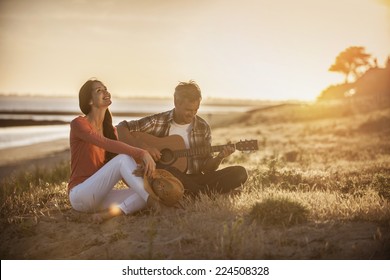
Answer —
127 167
126 199
90 195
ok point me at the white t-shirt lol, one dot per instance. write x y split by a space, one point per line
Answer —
184 130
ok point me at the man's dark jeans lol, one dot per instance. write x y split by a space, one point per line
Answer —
220 181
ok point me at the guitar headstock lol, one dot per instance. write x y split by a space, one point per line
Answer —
247 145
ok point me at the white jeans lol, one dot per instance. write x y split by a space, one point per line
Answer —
97 193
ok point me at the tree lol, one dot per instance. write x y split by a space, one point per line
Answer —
335 92
352 61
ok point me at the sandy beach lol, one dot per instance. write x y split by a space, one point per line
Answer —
42 155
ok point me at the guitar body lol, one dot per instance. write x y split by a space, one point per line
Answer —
166 145
174 153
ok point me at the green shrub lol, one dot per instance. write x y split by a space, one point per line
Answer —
278 212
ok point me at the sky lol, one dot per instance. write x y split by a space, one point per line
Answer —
246 49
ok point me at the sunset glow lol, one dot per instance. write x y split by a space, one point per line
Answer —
253 49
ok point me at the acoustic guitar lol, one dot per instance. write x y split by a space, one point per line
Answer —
174 152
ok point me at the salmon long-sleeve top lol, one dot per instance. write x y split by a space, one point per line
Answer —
87 149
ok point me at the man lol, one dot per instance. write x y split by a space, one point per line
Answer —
201 174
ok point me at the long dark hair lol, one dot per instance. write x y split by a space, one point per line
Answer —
85 96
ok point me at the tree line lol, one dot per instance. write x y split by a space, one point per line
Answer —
363 78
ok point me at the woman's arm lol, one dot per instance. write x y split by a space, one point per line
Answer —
83 131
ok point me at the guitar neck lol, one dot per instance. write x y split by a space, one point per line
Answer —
201 150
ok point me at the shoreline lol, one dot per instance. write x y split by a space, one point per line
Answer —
28 122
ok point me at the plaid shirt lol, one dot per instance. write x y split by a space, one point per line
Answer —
159 125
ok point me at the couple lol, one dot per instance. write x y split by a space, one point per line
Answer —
102 155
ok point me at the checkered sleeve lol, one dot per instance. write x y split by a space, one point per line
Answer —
156 125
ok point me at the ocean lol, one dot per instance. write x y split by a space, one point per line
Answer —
64 109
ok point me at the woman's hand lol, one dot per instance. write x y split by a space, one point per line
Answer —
148 164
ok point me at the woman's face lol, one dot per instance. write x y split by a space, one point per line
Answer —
100 96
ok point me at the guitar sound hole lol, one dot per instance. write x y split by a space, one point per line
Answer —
167 156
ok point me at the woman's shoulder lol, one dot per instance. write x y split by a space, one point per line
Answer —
80 120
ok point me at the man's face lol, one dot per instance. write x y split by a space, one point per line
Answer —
185 111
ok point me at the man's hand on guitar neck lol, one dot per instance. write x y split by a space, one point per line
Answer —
213 163
227 151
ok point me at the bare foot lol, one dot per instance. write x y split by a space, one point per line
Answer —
99 218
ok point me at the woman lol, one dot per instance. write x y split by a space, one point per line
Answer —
95 167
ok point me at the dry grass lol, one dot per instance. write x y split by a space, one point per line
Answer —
318 189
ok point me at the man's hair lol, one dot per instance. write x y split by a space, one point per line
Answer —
187 90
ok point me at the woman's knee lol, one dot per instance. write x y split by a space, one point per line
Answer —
81 201
126 160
